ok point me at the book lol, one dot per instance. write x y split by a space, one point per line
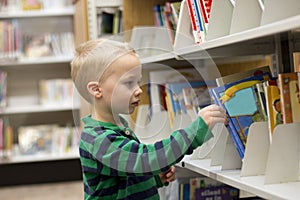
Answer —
175 6
193 19
158 79
240 100
31 4
241 75
289 95
272 95
3 88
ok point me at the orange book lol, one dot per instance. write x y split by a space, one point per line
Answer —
289 94
273 105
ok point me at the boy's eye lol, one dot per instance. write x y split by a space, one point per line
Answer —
129 83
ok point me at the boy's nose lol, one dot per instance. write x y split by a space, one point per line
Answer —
138 91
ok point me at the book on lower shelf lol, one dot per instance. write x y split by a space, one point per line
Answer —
201 188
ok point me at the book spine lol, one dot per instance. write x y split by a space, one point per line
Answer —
284 86
196 33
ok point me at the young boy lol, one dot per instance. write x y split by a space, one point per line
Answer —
115 164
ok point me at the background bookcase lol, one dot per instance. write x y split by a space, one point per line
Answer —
271 38
23 102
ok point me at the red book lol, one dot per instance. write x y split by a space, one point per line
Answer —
196 32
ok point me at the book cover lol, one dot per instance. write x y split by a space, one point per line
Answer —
240 100
273 103
241 75
289 95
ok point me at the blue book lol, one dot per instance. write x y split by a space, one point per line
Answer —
177 96
240 100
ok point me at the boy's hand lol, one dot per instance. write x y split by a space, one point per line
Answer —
168 176
212 115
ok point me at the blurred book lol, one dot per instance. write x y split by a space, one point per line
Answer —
241 101
289 95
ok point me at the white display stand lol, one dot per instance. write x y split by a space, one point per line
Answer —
217 154
246 15
184 36
231 158
283 161
149 131
151 40
256 153
220 19
276 10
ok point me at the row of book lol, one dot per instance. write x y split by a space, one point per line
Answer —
167 16
180 91
248 97
25 5
37 139
52 92
201 188
254 96
15 44
109 21
55 92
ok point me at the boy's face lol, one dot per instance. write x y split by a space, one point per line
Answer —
120 89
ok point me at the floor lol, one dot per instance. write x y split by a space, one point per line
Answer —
51 191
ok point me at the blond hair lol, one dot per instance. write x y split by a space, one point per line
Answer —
91 60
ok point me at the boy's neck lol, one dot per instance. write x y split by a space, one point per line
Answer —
107 118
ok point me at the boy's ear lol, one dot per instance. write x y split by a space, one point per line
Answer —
94 89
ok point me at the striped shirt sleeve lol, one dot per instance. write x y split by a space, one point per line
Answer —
127 157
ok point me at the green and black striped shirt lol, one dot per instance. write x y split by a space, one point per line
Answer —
116 165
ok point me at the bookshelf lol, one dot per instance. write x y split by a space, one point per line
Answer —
24 105
270 42
95 20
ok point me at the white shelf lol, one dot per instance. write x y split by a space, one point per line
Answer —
158 58
36 108
258 32
68 11
252 184
41 60
38 158
108 3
